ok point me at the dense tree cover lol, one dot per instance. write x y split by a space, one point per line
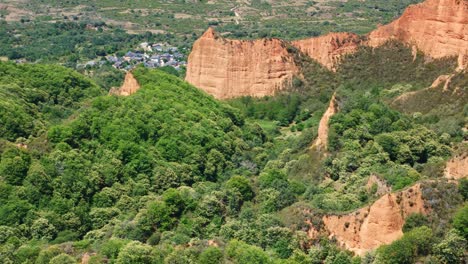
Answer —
33 96
366 137
170 175
164 166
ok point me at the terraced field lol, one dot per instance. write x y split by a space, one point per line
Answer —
240 18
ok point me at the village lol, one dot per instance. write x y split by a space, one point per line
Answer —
150 55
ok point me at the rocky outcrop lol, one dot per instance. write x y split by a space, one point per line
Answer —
442 79
439 28
382 186
328 49
227 68
375 225
129 86
322 137
457 167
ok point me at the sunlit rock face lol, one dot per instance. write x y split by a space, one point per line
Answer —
378 224
328 49
436 27
228 68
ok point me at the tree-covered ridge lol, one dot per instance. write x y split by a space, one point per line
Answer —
111 162
35 95
167 120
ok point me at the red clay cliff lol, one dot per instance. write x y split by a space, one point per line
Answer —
439 28
228 68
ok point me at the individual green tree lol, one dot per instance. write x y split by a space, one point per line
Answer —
14 165
154 238
279 239
211 255
241 184
27 253
47 254
415 220
268 200
159 215
101 216
239 252
175 201
298 256
112 247
340 258
136 253
14 211
452 248
6 232
42 229
63 259
106 197
210 206
214 165
416 242
37 183
399 252
421 239
463 188
460 221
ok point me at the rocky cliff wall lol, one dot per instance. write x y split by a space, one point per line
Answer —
328 49
378 224
457 167
231 68
439 28
228 68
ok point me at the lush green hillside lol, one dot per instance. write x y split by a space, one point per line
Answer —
170 175
33 96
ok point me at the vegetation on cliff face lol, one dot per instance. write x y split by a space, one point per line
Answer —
170 175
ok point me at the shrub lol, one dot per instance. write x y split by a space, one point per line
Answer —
415 220
211 255
460 221
239 252
135 253
62 259
452 248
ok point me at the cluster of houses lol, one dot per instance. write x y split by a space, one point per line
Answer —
150 55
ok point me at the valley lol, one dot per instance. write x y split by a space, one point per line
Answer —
327 132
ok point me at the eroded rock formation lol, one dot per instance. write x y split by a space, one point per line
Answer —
457 167
328 49
228 68
439 28
378 224
129 86
322 137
